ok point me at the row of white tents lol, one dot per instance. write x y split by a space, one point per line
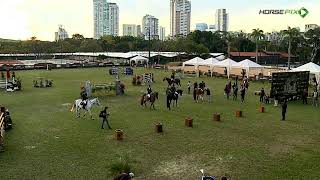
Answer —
245 64
227 63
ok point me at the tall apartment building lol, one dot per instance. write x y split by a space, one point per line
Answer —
162 33
113 19
150 27
100 17
222 20
130 30
106 18
61 34
180 17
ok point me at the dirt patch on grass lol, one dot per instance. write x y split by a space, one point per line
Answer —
278 149
176 168
287 144
189 168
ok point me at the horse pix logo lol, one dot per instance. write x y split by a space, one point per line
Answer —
303 12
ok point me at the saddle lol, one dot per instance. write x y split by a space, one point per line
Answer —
83 104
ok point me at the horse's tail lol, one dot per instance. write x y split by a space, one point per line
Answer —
72 108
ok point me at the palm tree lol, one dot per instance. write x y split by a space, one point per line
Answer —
290 33
257 34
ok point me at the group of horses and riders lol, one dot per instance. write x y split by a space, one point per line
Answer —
172 93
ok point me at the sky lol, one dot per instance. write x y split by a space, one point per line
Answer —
22 19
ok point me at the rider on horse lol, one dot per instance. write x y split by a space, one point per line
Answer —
149 91
173 76
173 89
84 97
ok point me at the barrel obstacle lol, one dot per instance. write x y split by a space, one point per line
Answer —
261 109
188 122
118 135
159 128
217 117
239 114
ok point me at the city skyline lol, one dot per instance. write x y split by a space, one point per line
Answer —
22 19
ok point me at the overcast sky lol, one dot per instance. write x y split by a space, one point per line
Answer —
21 19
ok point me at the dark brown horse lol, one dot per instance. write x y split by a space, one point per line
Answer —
170 82
152 99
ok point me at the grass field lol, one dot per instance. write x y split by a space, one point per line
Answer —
48 142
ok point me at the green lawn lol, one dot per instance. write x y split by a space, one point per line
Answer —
48 142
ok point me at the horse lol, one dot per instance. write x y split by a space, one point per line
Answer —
199 94
170 82
173 96
153 97
90 104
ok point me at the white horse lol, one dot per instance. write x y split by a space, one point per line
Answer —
90 104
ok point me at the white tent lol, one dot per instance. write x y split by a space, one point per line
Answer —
211 62
221 57
311 67
194 62
228 63
247 65
139 59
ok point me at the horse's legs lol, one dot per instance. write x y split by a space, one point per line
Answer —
90 114
78 112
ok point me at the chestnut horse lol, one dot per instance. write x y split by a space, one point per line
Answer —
199 94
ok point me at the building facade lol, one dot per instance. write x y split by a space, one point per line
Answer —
273 37
130 30
113 19
180 17
61 34
100 18
201 26
139 31
310 26
150 27
222 20
162 33
106 18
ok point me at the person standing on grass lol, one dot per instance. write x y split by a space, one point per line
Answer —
195 88
305 97
315 98
284 110
208 94
235 91
189 87
262 94
104 115
242 93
